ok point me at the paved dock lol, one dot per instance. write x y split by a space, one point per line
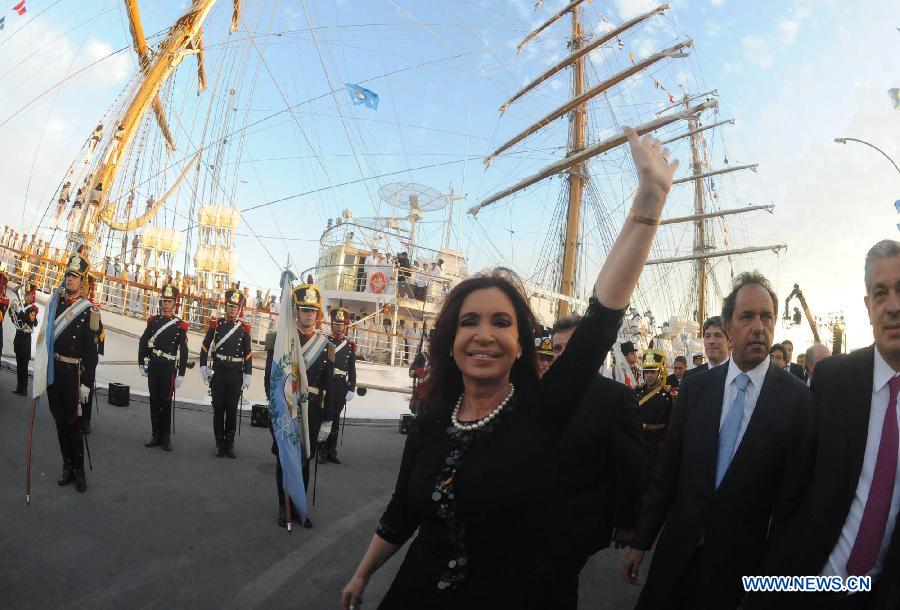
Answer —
188 530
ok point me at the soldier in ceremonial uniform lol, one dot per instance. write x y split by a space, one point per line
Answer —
342 388
162 358
655 402
316 349
75 359
25 321
4 304
100 339
226 363
545 354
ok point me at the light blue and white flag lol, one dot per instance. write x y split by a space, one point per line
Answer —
43 359
361 95
289 398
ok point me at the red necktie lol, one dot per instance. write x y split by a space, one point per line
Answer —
878 505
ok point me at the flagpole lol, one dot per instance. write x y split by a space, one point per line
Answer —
287 510
28 453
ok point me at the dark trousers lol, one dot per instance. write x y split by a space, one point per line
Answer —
161 382
226 392
22 348
684 595
63 397
331 443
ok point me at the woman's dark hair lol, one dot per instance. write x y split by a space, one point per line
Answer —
443 383
778 347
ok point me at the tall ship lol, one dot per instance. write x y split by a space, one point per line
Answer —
153 193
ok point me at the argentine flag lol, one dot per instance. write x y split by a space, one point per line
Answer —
361 95
289 399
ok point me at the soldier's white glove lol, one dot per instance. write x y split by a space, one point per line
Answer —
204 372
85 393
178 381
143 369
246 383
350 395
324 431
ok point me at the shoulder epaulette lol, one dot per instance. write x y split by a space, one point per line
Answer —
352 345
150 320
183 325
247 326
213 323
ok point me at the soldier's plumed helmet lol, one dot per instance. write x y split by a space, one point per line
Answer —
545 346
654 360
169 291
234 297
307 296
77 265
340 315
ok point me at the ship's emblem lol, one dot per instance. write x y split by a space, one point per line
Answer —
378 282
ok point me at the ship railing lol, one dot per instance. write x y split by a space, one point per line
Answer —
374 345
140 299
128 296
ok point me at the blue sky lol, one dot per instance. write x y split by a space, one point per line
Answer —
793 74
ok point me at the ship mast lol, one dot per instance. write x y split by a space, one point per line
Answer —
700 226
577 172
182 39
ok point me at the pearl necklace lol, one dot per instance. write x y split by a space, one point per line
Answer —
481 423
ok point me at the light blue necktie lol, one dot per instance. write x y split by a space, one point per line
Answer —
728 435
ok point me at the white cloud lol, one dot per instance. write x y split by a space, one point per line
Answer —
787 31
630 8
113 69
757 50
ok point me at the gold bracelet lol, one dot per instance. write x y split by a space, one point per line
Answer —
645 220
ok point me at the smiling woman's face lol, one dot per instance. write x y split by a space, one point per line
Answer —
487 337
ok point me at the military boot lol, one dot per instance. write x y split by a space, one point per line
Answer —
67 476
220 446
153 441
80 481
229 446
166 443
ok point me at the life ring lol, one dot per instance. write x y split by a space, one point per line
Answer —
378 282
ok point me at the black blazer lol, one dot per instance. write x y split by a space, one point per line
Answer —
797 371
841 400
599 473
696 370
731 523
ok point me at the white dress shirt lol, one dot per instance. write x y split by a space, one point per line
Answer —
837 561
757 376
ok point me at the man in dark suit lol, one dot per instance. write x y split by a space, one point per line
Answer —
847 523
599 477
679 368
717 485
715 344
792 367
